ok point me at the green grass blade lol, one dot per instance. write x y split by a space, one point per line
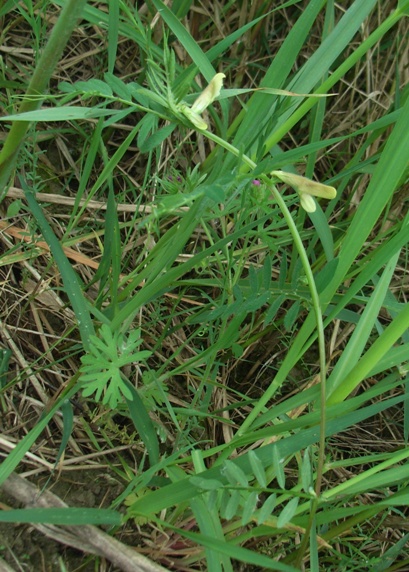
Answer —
397 356
24 445
52 52
108 169
165 252
113 28
192 48
356 483
335 76
357 342
388 174
64 113
69 516
143 423
403 6
377 351
112 249
87 166
68 424
239 553
71 282
259 105
210 526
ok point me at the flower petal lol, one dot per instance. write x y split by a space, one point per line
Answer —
304 185
209 94
307 203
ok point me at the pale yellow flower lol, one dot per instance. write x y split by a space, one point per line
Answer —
207 97
306 189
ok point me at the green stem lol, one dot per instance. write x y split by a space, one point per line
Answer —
320 333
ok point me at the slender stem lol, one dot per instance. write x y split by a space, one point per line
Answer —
320 334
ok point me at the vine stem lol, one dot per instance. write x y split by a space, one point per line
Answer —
320 335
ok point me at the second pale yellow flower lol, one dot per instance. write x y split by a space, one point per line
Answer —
306 189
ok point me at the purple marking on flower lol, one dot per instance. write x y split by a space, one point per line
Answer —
256 182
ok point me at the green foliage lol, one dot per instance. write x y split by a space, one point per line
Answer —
101 366
271 331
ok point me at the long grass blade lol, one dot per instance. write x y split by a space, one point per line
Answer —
71 281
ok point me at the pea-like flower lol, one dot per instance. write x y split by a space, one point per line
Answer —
306 189
207 97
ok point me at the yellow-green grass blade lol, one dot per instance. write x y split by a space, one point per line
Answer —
360 337
286 123
376 352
